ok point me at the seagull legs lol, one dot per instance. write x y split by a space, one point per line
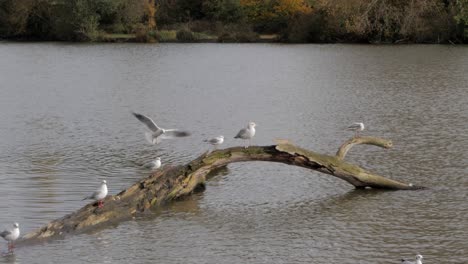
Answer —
356 134
11 246
100 204
213 149
248 144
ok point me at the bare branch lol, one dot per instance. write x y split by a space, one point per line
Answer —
379 142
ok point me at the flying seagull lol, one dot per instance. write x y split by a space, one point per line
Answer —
153 165
99 194
11 235
247 133
418 260
157 133
215 141
356 127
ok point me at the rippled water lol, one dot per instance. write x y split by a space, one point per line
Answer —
66 124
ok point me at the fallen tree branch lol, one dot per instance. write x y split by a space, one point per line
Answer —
172 183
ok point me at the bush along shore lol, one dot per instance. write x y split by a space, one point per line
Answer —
185 35
294 21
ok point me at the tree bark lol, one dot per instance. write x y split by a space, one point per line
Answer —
171 183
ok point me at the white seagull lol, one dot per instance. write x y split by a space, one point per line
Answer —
11 235
215 141
356 127
418 260
247 133
153 165
99 194
157 133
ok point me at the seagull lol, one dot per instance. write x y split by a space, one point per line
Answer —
418 260
215 141
153 165
356 127
247 133
157 133
100 194
11 235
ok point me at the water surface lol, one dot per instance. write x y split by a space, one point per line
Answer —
66 125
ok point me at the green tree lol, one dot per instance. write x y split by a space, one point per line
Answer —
27 18
228 11
129 15
77 20
461 16
84 19
188 10
14 17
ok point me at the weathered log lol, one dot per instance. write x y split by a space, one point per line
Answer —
172 183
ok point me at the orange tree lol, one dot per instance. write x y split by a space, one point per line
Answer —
273 15
150 10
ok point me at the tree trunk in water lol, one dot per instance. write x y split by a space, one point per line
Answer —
171 183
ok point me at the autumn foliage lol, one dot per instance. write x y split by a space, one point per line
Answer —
150 9
273 15
368 21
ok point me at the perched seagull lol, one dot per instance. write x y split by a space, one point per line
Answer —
247 133
153 165
356 127
100 194
215 141
157 133
11 235
418 260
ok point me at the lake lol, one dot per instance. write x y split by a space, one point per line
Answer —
66 124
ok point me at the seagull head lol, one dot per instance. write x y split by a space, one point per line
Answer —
158 158
16 225
222 137
104 182
252 124
419 257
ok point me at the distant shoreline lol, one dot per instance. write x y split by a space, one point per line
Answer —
245 21
170 37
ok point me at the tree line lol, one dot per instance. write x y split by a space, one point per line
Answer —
371 21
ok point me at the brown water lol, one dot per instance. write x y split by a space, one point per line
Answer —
66 124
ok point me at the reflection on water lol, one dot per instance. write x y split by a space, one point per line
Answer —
67 124
8 258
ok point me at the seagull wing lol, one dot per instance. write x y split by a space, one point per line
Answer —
213 141
88 197
92 196
5 233
171 133
354 126
242 133
147 121
96 193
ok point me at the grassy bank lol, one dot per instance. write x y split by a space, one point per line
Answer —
186 36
